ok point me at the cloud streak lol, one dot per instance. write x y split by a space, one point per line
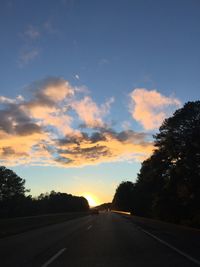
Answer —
27 55
31 33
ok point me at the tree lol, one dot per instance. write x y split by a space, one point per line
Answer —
11 185
169 181
13 201
179 140
168 184
60 202
149 182
123 196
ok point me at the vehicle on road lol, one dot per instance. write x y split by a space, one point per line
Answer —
95 212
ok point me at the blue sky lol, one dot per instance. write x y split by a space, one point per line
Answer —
129 64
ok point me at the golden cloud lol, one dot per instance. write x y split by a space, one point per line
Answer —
106 146
44 130
150 108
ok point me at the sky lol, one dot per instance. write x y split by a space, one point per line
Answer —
85 84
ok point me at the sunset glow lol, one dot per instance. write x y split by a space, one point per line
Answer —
85 85
99 133
92 200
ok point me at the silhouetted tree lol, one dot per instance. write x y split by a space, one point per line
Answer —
123 196
169 181
149 184
11 184
168 184
57 202
179 141
12 193
14 202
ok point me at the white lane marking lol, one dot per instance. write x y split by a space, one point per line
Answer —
172 247
54 257
89 227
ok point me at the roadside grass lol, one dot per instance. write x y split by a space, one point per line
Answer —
18 225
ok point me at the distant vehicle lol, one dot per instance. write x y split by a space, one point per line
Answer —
94 211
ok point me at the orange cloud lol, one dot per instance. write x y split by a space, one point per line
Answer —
17 149
90 113
43 129
58 90
107 146
150 108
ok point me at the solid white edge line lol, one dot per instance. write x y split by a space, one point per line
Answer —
54 257
170 246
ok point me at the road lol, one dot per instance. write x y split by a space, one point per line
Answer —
106 239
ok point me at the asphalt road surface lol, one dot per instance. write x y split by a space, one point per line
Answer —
106 239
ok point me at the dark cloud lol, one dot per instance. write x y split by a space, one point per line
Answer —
39 91
96 137
131 135
10 152
7 151
102 135
91 153
27 129
98 145
73 139
13 120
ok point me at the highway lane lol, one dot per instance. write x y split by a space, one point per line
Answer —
106 239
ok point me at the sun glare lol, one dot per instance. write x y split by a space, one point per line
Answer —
92 200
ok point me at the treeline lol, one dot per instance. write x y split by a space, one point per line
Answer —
14 202
104 206
168 184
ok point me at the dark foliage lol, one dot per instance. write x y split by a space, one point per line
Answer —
123 197
104 206
60 202
168 185
10 184
14 202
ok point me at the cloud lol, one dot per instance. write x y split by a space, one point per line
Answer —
51 90
29 48
28 126
31 41
31 33
90 113
126 125
49 27
27 55
42 129
150 107
13 120
18 149
50 104
103 146
6 100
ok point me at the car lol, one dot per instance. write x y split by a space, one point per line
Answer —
94 211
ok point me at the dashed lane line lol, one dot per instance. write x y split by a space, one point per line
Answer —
89 227
54 257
